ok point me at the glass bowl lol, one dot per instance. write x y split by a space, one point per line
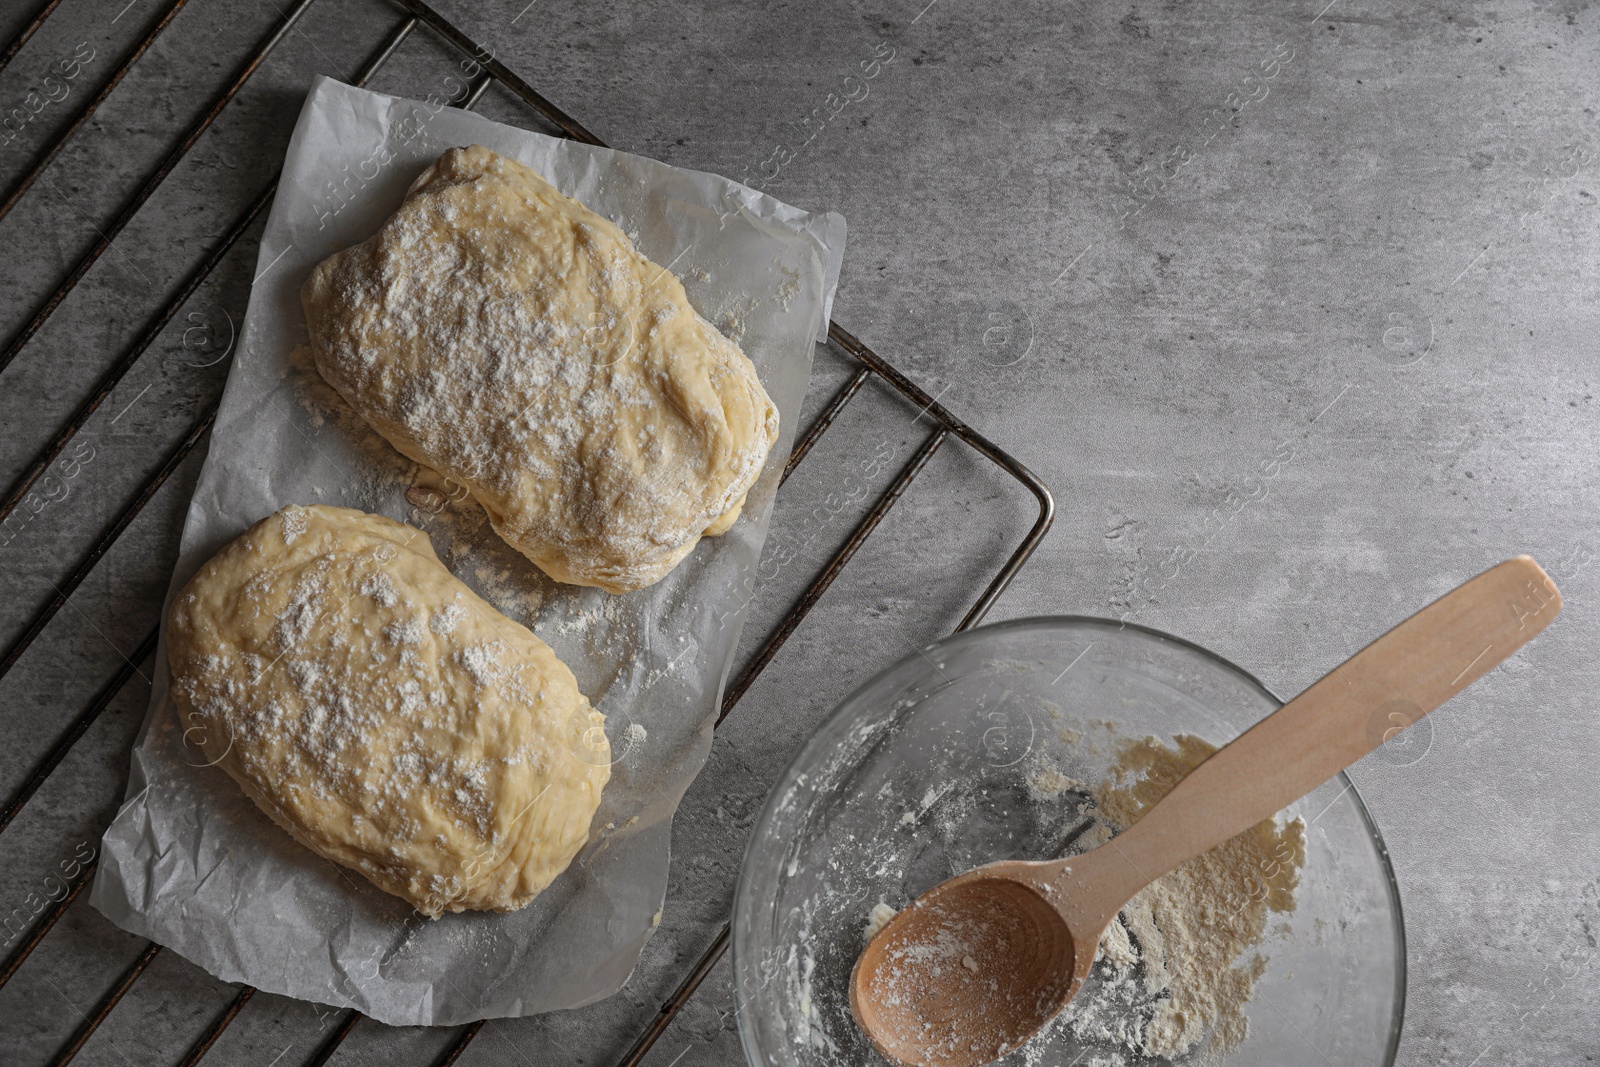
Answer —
923 773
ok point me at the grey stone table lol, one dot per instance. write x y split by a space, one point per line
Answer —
1142 246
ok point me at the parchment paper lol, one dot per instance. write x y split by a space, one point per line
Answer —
189 862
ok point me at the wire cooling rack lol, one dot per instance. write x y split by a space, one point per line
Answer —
27 486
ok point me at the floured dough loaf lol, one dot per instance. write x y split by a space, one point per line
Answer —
512 339
383 714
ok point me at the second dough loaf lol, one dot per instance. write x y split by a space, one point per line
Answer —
378 710
510 338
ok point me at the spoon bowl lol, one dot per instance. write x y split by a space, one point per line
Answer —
968 972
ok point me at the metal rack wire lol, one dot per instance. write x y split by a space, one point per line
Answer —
416 14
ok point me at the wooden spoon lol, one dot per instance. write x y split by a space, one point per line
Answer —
976 965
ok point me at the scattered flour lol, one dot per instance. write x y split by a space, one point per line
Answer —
1180 963
1046 782
878 918
1173 974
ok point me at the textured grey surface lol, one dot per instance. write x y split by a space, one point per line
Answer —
1385 266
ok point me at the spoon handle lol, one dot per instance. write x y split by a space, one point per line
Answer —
1379 691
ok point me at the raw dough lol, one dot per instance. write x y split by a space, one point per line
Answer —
515 341
383 714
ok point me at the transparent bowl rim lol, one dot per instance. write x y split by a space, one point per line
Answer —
743 891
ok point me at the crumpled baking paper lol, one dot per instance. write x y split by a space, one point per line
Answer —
189 862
